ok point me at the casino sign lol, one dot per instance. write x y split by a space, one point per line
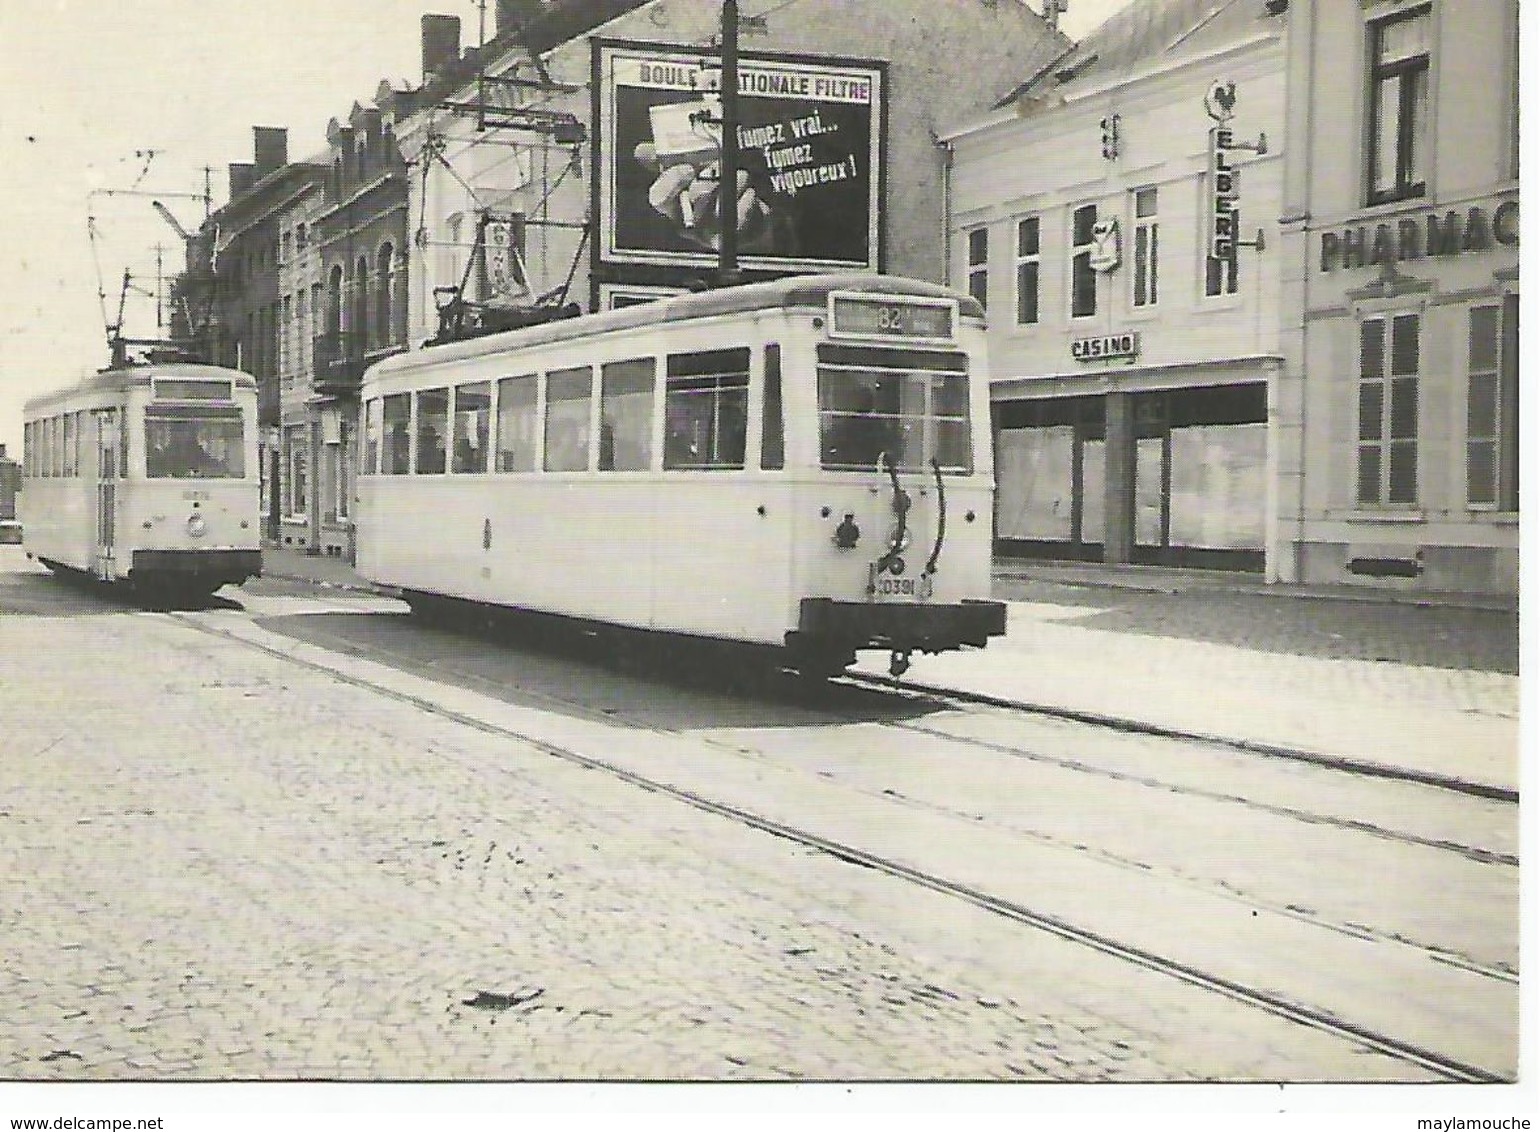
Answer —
1106 347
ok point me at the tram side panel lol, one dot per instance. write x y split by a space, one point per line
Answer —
58 517
722 543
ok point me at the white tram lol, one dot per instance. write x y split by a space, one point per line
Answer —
146 475
803 464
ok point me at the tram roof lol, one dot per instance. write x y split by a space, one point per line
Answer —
791 291
126 377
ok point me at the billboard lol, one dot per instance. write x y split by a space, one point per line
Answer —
810 156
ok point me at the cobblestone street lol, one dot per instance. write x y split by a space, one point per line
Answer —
219 866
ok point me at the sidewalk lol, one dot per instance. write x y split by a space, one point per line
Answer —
1438 722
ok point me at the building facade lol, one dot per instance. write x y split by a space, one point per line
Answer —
1399 431
356 244
523 143
1117 216
300 294
242 329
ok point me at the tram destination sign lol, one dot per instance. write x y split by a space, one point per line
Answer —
877 316
811 143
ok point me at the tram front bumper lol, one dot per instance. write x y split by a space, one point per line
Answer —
230 567
917 626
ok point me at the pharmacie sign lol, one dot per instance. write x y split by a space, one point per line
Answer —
1106 347
1476 229
811 143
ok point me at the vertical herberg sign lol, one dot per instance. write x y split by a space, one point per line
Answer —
810 151
1224 193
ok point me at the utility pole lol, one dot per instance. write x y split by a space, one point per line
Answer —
727 187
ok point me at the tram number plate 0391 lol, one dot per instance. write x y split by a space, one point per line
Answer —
891 588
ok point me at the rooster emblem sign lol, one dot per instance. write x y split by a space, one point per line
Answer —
1219 101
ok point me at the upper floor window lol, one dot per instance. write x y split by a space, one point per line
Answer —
978 265
1388 364
1398 106
1082 301
1146 249
1028 246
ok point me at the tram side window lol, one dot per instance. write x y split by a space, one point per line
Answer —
55 448
567 396
625 415
707 410
904 409
772 437
516 421
395 455
473 423
432 430
107 441
70 425
374 422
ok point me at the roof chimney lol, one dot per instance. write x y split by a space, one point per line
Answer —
271 148
514 15
440 43
242 177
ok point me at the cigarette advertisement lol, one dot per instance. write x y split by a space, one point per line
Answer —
808 181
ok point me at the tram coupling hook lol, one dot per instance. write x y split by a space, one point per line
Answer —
898 663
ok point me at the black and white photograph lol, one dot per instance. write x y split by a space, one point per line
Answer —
763 561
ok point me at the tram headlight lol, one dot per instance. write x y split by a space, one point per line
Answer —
196 527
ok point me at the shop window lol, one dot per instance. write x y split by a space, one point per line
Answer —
1028 244
1387 410
978 265
1398 105
625 415
567 425
432 431
1146 249
473 424
1491 408
516 420
1082 303
706 405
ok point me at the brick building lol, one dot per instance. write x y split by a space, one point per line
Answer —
546 152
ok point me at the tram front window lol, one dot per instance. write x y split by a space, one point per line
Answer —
908 417
194 448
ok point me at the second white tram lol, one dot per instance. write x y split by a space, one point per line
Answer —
803 464
146 475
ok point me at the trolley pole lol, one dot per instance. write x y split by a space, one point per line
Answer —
727 187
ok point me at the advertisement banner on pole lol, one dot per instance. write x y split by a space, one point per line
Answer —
810 151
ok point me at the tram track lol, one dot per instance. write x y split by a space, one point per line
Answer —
1444 1066
1295 813
1127 725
